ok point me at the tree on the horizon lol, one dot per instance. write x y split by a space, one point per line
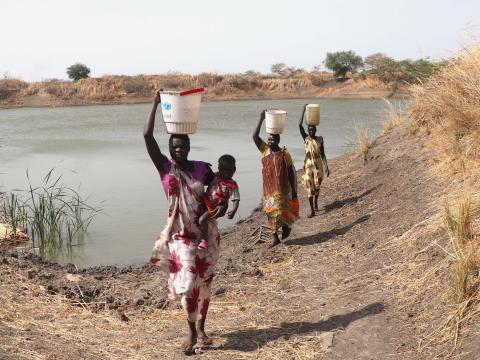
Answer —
341 62
278 68
374 61
251 73
78 71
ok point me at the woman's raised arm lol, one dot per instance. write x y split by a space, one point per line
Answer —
156 155
256 138
300 123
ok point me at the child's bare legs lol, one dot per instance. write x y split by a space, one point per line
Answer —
203 222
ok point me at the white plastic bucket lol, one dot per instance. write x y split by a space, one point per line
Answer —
312 114
180 110
275 121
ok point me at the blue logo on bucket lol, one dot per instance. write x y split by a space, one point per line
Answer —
167 106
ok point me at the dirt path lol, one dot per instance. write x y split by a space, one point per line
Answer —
325 293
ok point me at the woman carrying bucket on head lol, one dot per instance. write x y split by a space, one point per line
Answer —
190 270
279 199
314 156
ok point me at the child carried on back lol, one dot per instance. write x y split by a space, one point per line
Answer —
220 190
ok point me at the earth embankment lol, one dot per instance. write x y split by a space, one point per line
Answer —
344 285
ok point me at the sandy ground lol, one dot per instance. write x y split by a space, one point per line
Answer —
344 285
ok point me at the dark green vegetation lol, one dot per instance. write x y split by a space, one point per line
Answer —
341 62
78 71
396 72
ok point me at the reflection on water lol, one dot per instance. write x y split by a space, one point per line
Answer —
101 150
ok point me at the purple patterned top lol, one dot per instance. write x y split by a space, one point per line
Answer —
201 173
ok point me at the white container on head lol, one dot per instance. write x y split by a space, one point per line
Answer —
275 121
312 114
180 110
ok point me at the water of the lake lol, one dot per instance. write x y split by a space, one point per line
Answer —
101 149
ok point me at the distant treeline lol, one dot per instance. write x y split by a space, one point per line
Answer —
396 72
380 70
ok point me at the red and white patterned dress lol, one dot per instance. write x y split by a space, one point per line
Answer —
191 270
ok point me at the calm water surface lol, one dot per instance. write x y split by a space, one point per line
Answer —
101 150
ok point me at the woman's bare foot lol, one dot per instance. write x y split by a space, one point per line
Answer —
204 340
276 240
188 344
312 214
191 340
286 230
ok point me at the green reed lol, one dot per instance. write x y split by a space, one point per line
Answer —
14 213
53 213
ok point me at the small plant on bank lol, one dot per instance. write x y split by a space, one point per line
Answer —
412 128
52 214
362 134
14 214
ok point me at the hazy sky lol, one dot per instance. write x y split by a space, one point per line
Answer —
40 39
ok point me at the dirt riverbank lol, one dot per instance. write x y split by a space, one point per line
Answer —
343 286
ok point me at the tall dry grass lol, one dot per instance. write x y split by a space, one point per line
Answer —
447 106
450 102
10 86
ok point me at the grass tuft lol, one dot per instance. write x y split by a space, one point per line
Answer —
465 250
362 135
393 115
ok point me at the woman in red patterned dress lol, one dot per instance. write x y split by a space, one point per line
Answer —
190 269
